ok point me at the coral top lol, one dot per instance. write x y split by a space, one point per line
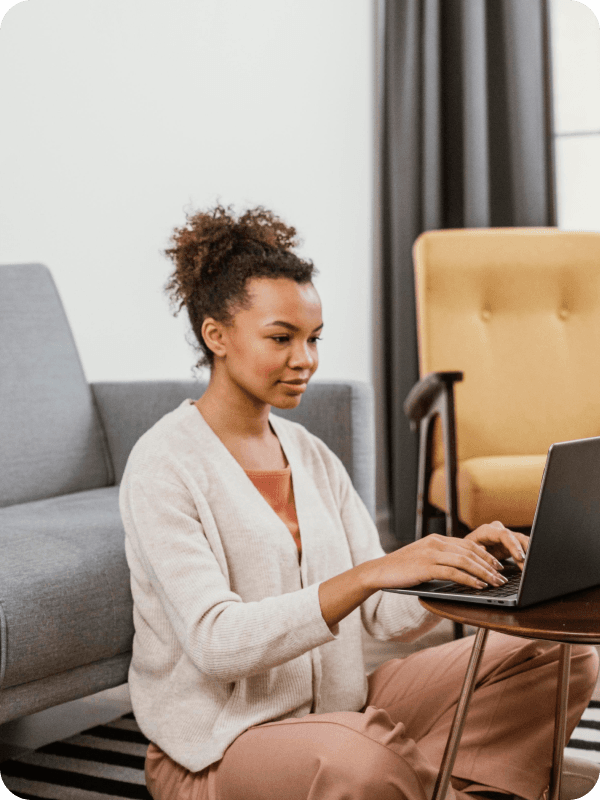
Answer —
275 485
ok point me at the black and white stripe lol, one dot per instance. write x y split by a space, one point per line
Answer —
585 742
107 762
103 763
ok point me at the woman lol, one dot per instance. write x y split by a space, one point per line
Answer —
254 565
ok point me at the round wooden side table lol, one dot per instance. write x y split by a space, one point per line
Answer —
572 619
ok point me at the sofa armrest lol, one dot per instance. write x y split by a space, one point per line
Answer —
425 392
127 409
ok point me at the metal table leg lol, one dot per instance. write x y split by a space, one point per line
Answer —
560 726
443 779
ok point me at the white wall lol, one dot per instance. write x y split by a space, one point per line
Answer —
576 75
119 115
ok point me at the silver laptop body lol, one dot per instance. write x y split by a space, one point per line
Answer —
564 547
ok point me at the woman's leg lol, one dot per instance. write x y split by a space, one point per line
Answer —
506 743
507 738
346 755
341 755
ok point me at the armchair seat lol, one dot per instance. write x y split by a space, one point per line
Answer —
493 487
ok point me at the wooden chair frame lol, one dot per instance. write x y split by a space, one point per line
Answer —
431 397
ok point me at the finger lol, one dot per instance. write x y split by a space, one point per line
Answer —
498 535
512 542
474 546
523 540
469 564
447 573
477 553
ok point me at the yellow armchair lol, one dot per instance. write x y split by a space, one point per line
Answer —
517 312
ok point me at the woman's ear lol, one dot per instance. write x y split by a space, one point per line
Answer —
213 335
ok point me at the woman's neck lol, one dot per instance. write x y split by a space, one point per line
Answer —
232 416
254 447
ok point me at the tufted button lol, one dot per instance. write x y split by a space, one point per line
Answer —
486 315
563 313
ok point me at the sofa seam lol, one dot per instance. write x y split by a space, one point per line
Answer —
108 463
3 645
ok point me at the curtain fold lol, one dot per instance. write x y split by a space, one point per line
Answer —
465 141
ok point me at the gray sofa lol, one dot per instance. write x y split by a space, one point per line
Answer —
65 604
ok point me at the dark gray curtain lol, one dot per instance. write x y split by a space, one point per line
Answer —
465 127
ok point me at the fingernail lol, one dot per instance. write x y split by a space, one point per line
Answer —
497 564
481 584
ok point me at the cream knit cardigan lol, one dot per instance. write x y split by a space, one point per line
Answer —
228 627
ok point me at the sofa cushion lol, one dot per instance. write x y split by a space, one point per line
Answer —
52 440
65 597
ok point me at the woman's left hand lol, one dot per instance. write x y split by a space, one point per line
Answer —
501 542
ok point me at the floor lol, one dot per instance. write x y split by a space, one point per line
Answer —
54 724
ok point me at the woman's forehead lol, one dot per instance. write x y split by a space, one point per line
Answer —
278 298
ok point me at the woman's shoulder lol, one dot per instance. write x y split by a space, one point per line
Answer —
169 442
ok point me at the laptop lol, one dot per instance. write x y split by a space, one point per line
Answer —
564 547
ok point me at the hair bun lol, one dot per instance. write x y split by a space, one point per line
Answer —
215 254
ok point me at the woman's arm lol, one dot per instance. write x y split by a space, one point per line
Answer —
471 561
432 558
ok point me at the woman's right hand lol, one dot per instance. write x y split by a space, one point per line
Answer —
436 557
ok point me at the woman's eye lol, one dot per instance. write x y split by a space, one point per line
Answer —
282 339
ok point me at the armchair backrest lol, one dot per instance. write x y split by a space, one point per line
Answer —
51 441
518 311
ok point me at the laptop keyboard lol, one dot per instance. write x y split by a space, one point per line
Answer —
513 574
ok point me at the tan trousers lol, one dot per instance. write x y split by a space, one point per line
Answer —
393 747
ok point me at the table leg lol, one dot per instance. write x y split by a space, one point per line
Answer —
443 779
560 725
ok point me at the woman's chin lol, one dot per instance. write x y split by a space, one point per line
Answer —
286 400
289 402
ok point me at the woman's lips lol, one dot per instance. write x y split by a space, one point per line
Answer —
301 386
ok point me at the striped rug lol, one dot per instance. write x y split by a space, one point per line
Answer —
107 762
585 742
102 763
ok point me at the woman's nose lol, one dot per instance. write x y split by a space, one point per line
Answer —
302 356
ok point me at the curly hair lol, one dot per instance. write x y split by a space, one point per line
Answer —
215 255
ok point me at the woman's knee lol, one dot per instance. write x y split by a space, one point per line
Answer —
339 755
370 769
366 759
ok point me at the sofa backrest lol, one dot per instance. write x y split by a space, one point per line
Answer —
51 441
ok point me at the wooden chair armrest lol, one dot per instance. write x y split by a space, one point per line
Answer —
425 392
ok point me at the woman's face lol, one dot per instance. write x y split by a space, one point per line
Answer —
273 342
